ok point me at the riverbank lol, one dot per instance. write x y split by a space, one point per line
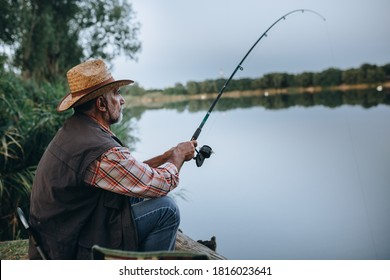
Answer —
17 249
156 99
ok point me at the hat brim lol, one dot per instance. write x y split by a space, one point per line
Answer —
70 101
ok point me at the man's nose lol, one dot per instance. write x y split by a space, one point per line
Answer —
122 100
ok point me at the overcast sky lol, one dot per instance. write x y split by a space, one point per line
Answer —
206 39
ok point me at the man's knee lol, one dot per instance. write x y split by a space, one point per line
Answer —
171 204
164 210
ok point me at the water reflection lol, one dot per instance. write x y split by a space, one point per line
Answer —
331 99
293 177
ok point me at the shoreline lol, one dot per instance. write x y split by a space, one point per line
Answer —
157 98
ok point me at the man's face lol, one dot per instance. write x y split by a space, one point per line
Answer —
115 102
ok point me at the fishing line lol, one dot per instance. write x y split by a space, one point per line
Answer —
206 151
360 186
330 44
354 149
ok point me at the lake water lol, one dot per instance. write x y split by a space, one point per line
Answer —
292 177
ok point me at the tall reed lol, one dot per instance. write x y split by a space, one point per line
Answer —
27 123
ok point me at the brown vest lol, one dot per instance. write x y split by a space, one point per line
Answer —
68 215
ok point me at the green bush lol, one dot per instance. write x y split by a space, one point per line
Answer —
28 121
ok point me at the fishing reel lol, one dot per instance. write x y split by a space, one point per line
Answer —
203 153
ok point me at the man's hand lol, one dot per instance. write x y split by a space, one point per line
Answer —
182 152
177 155
186 149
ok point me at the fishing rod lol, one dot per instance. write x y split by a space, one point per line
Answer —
205 151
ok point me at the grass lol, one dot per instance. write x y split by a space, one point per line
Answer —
14 250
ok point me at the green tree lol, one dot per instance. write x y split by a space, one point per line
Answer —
352 76
328 77
375 75
48 37
8 22
367 72
192 87
266 81
280 80
178 89
239 84
258 83
386 70
207 86
135 90
304 79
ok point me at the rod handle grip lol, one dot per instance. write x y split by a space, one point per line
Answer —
196 134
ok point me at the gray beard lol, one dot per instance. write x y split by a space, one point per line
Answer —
116 120
120 118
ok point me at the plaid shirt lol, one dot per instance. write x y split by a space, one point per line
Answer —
118 171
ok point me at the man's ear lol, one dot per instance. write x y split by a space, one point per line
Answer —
101 104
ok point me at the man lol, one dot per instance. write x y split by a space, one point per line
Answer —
88 189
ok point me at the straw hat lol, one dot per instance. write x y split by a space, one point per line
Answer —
87 81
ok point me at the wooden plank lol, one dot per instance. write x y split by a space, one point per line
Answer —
185 243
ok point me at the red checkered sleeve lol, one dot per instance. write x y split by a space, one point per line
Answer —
118 171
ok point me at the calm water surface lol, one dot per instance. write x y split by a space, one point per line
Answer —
303 182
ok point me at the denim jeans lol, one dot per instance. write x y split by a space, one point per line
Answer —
157 221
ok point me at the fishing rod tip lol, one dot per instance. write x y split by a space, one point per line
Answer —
312 11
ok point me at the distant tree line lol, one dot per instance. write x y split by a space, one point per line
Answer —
365 74
366 98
